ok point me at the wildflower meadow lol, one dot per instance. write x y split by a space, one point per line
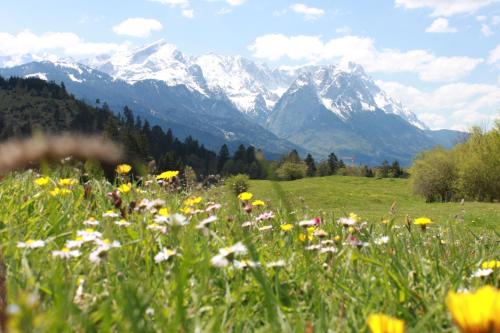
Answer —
146 254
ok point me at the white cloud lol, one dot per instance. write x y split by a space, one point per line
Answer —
173 3
189 13
458 105
485 30
137 27
310 13
494 56
235 2
441 25
67 43
446 7
344 30
362 50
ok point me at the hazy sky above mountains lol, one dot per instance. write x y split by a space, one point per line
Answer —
441 58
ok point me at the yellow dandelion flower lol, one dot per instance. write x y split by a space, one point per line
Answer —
286 227
492 264
42 181
381 323
54 192
475 312
185 210
164 212
351 230
125 188
245 196
354 217
302 237
258 202
422 221
192 201
167 175
337 238
67 181
123 169
64 191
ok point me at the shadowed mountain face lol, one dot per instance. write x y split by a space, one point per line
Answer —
217 99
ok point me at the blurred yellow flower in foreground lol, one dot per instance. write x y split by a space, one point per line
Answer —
67 181
258 203
125 188
164 212
167 175
245 196
422 221
286 227
191 201
381 323
492 264
123 169
42 181
476 312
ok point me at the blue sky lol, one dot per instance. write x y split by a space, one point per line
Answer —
440 57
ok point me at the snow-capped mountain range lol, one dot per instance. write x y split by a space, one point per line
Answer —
232 99
252 87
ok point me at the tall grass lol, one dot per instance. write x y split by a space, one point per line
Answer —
128 291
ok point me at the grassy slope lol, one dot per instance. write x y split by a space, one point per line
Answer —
372 198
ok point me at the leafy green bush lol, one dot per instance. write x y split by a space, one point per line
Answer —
292 171
238 183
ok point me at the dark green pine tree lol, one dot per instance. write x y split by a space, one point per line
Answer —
333 163
222 158
311 166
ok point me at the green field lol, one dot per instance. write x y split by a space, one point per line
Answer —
161 272
371 199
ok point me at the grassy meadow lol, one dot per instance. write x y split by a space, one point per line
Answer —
153 258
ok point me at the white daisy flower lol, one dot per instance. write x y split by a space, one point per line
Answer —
66 253
248 224
91 222
205 222
243 264
346 221
329 249
266 228
219 261
178 219
265 216
110 213
313 247
307 223
31 244
164 255
72 243
88 235
122 223
382 240
160 219
106 244
157 227
213 207
276 264
480 273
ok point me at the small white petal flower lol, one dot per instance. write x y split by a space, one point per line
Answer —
157 227
276 264
31 244
91 222
243 264
122 223
482 273
382 240
265 216
213 207
219 261
313 247
178 219
266 228
88 235
66 253
329 249
247 224
165 255
78 242
307 223
346 221
205 222
110 213
160 219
